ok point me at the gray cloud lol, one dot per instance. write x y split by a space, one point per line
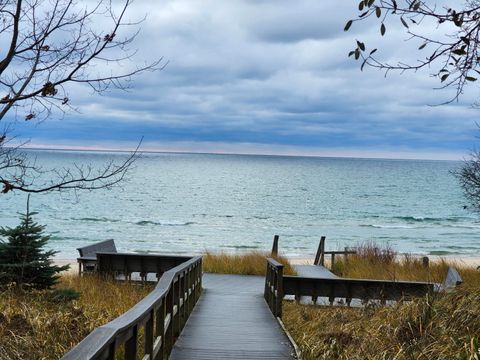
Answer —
276 73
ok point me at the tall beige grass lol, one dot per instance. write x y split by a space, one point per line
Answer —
32 326
250 263
376 262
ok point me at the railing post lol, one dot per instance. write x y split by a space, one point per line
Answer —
168 344
346 254
275 245
176 299
279 292
160 329
425 261
149 335
273 295
199 280
320 256
189 287
131 345
267 280
273 292
184 296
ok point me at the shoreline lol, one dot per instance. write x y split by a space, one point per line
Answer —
460 260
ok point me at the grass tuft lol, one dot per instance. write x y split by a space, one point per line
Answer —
250 263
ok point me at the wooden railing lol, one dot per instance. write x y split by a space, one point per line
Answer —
349 289
112 263
278 285
274 287
159 318
320 256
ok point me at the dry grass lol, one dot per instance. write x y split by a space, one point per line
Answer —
250 263
445 326
32 326
374 262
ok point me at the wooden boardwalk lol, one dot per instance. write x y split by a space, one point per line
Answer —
232 321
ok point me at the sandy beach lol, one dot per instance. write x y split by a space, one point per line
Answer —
470 261
461 261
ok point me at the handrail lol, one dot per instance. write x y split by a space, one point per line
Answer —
277 286
365 289
274 287
112 263
162 314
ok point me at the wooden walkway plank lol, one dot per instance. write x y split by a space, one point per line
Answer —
316 271
232 321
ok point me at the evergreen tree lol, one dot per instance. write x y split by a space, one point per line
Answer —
23 261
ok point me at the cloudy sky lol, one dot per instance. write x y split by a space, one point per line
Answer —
267 76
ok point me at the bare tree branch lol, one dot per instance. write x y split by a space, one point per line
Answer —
52 45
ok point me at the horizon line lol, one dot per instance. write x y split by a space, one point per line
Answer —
156 151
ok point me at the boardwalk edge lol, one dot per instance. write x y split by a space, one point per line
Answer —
298 352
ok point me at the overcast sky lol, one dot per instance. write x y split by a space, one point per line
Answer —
267 76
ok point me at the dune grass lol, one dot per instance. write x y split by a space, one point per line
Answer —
249 263
375 262
442 326
33 325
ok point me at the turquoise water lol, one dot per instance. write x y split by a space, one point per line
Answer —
186 203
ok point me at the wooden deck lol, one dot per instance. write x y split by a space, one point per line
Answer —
232 321
316 271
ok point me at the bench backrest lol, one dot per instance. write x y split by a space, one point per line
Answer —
102 246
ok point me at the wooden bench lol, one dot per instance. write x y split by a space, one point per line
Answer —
88 254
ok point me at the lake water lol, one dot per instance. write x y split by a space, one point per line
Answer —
188 203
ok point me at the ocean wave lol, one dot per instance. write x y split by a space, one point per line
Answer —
157 223
443 252
423 222
462 226
454 247
95 219
430 219
240 246
388 226
260 217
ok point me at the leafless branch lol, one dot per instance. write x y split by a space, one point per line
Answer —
53 44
